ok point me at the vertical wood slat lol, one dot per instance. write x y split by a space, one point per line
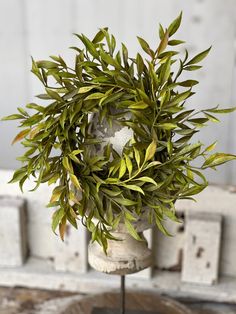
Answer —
13 83
42 28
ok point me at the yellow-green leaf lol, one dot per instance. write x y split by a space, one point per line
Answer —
150 152
217 159
131 230
86 89
56 218
147 179
174 26
95 96
129 164
199 57
167 126
124 201
137 156
75 181
122 169
211 147
67 164
139 105
134 188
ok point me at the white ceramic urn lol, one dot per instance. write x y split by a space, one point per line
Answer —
123 257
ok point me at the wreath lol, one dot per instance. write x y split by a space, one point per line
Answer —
144 94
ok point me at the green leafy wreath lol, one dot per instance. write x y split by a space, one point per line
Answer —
146 95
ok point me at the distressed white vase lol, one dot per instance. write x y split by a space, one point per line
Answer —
123 257
127 255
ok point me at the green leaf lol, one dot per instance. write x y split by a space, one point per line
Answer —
165 71
47 64
35 107
111 192
211 147
18 175
124 201
188 148
192 67
145 46
53 94
95 96
151 150
188 83
216 110
211 117
161 32
175 42
138 105
161 227
167 126
180 97
13 117
85 89
125 54
122 169
89 45
137 156
198 58
109 60
130 228
67 165
217 159
129 164
134 188
56 218
75 181
147 179
174 26
153 164
99 36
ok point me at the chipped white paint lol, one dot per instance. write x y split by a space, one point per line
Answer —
71 255
147 272
169 250
123 257
222 201
44 245
202 248
13 238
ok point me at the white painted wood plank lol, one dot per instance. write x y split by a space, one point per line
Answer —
51 23
43 243
50 28
13 83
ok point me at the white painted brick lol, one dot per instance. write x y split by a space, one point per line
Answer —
71 255
169 250
202 248
13 239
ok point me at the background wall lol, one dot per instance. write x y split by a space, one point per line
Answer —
44 27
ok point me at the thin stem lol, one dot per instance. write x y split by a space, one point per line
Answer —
122 294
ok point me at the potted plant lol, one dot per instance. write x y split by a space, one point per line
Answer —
94 183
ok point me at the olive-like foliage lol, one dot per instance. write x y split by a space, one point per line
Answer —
144 93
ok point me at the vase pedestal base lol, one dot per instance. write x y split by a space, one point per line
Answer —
117 311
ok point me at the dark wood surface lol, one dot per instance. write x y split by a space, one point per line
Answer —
135 301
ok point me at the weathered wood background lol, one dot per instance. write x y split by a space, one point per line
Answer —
44 27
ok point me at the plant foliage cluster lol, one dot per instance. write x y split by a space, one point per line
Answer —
143 93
